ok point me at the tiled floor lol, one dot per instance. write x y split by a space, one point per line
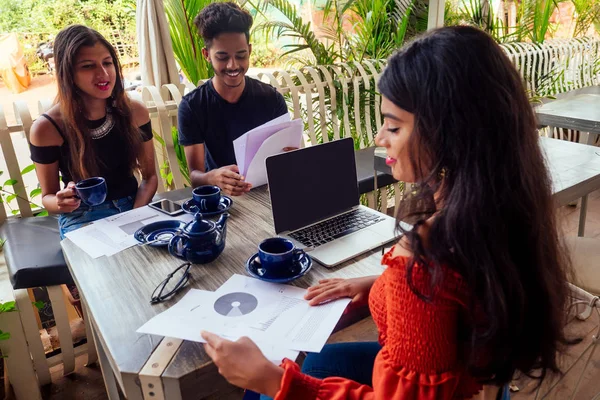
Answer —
86 383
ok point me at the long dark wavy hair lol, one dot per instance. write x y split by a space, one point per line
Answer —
495 222
84 163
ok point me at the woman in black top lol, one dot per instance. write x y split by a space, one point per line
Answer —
94 129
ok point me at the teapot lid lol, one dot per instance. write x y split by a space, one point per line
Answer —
198 226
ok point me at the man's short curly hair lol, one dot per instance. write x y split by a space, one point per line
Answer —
217 18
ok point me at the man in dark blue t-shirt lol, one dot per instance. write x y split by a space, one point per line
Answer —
213 115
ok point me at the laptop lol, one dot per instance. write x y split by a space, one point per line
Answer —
316 204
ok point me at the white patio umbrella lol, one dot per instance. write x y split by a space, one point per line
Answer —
436 14
157 62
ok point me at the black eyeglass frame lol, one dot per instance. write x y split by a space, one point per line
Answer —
160 297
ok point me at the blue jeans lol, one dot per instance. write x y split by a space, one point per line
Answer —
85 214
353 361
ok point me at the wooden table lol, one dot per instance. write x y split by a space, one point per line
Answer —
116 292
580 112
574 170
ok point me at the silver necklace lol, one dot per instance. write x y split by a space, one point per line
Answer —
102 130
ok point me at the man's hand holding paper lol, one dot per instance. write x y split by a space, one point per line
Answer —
229 180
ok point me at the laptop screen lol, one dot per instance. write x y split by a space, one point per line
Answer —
312 184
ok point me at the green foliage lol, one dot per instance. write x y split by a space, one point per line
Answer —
533 19
165 171
587 13
9 306
38 21
187 43
481 14
296 29
264 55
352 30
50 16
8 195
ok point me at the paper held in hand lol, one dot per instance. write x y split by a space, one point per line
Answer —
275 316
252 148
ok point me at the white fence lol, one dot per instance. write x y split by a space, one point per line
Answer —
333 101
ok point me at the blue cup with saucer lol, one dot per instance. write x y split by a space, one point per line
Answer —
207 197
278 260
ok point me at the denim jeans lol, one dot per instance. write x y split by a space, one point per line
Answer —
353 361
85 214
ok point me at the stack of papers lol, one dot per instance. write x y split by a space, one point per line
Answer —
108 236
252 148
275 316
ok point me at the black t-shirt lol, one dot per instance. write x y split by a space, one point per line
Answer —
205 117
110 150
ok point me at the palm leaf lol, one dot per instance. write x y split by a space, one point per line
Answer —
187 44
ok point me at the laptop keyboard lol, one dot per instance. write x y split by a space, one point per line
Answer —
335 228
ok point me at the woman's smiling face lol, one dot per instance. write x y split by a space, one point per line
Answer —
394 135
94 71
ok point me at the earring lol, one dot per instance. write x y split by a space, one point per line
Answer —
442 173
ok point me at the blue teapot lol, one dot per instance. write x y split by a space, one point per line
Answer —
200 241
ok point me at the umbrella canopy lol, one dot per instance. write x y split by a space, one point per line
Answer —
436 14
157 62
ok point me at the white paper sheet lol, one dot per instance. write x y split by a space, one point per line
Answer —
275 316
288 137
250 151
180 321
108 236
246 145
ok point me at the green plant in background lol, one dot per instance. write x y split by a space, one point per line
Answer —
353 30
10 306
481 14
264 55
187 44
587 13
295 28
7 194
533 19
165 171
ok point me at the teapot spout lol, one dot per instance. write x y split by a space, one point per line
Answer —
222 222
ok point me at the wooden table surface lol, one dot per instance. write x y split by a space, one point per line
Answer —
574 169
580 112
117 291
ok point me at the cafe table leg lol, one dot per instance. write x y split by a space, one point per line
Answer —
582 215
108 374
91 343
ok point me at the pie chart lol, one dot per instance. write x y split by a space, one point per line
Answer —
235 304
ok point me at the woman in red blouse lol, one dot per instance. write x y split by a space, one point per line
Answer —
477 289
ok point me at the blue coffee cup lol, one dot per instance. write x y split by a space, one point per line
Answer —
278 256
91 191
207 197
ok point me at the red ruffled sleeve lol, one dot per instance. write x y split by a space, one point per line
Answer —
419 341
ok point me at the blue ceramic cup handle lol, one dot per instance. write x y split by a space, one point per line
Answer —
173 245
299 255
